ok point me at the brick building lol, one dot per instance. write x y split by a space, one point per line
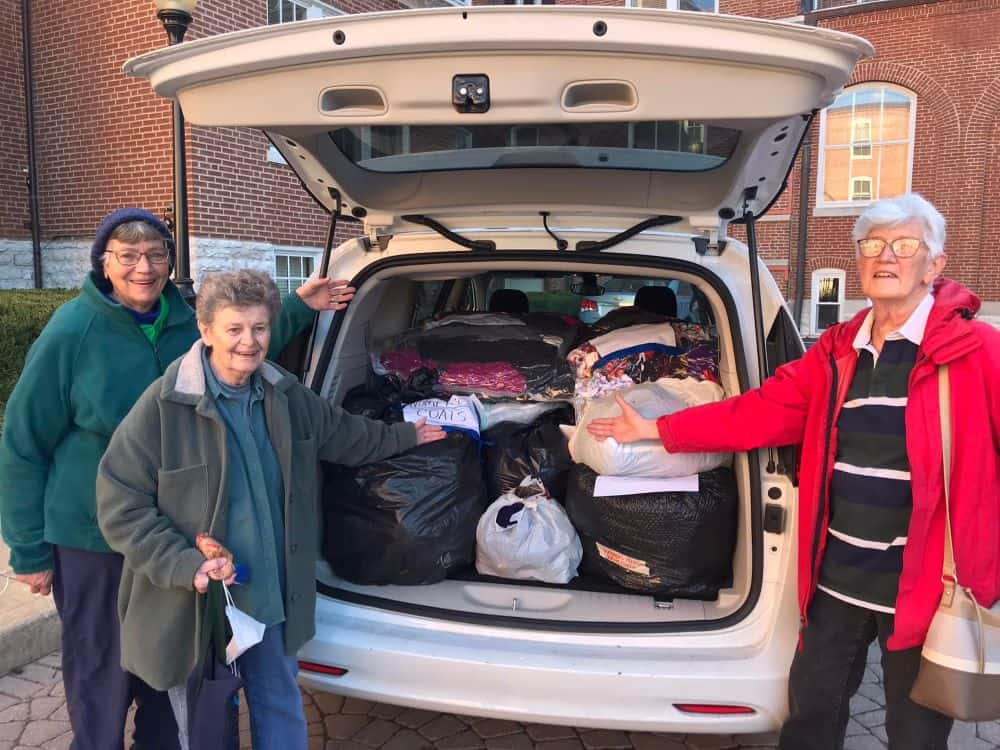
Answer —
921 115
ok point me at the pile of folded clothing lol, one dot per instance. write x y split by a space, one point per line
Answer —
492 355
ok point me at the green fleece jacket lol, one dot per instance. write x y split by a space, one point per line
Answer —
81 376
156 492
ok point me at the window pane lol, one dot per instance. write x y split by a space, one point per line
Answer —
281 265
837 170
287 11
707 6
300 13
893 163
827 315
274 11
829 289
307 267
295 266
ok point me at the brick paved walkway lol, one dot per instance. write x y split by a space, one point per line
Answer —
33 715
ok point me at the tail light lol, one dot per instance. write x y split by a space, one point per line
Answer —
717 709
588 305
311 666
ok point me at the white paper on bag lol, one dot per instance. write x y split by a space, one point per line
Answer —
461 412
609 486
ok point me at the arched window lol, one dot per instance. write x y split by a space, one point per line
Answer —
866 147
827 298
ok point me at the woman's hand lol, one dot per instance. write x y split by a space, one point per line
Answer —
627 428
326 294
39 583
213 570
428 433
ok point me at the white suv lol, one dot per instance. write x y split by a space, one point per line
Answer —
486 143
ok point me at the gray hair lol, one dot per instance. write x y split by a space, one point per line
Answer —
900 210
240 289
133 232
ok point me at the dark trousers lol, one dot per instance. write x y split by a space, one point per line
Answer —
98 692
827 670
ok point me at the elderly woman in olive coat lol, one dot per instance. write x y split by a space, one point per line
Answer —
227 443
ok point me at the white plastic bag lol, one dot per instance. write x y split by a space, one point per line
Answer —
526 534
247 632
645 458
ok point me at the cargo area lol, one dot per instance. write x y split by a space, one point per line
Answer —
376 360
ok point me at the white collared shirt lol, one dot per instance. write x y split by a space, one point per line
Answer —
912 330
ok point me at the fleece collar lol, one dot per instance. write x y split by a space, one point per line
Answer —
184 381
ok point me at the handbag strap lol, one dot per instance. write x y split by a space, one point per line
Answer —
949 575
944 407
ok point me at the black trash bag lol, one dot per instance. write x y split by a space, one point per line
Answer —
513 451
409 519
673 544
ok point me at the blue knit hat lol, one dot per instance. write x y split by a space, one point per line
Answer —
112 221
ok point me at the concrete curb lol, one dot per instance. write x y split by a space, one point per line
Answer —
29 639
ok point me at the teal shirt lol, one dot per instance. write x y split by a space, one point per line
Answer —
87 368
255 522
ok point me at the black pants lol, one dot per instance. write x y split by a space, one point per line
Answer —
98 691
828 670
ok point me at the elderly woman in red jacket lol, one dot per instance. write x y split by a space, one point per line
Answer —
863 405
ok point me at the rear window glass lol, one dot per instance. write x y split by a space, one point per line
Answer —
671 146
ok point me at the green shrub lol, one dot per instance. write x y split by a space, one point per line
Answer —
23 314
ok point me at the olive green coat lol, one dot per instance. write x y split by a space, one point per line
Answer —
163 480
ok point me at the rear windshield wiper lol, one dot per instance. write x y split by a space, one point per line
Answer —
448 234
642 226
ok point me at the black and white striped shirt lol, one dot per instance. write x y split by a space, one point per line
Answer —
870 496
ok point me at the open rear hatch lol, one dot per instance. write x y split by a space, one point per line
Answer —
452 112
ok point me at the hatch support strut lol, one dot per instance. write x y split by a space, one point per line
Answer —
324 269
750 222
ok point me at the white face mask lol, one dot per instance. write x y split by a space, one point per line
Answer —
247 632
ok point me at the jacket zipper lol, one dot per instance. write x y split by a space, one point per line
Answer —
825 488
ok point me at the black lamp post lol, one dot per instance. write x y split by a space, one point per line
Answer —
176 16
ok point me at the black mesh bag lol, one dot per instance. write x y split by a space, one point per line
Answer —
673 544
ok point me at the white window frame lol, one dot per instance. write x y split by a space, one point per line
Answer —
861 186
670 5
853 208
314 9
861 148
814 303
302 253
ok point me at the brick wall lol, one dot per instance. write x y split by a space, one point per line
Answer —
13 193
946 53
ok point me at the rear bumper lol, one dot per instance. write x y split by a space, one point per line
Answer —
607 681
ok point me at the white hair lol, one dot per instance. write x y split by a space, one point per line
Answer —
900 210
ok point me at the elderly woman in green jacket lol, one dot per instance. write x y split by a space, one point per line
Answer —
228 444
91 362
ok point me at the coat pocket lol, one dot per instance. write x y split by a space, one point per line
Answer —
182 496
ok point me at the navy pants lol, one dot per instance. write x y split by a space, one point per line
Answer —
98 692
829 668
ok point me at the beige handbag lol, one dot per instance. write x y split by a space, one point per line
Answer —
960 663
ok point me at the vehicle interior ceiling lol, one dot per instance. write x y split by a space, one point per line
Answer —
395 299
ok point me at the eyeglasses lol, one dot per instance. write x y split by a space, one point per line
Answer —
131 257
902 247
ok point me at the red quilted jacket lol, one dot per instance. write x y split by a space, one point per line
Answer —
800 405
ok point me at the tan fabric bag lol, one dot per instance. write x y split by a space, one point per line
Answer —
960 663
